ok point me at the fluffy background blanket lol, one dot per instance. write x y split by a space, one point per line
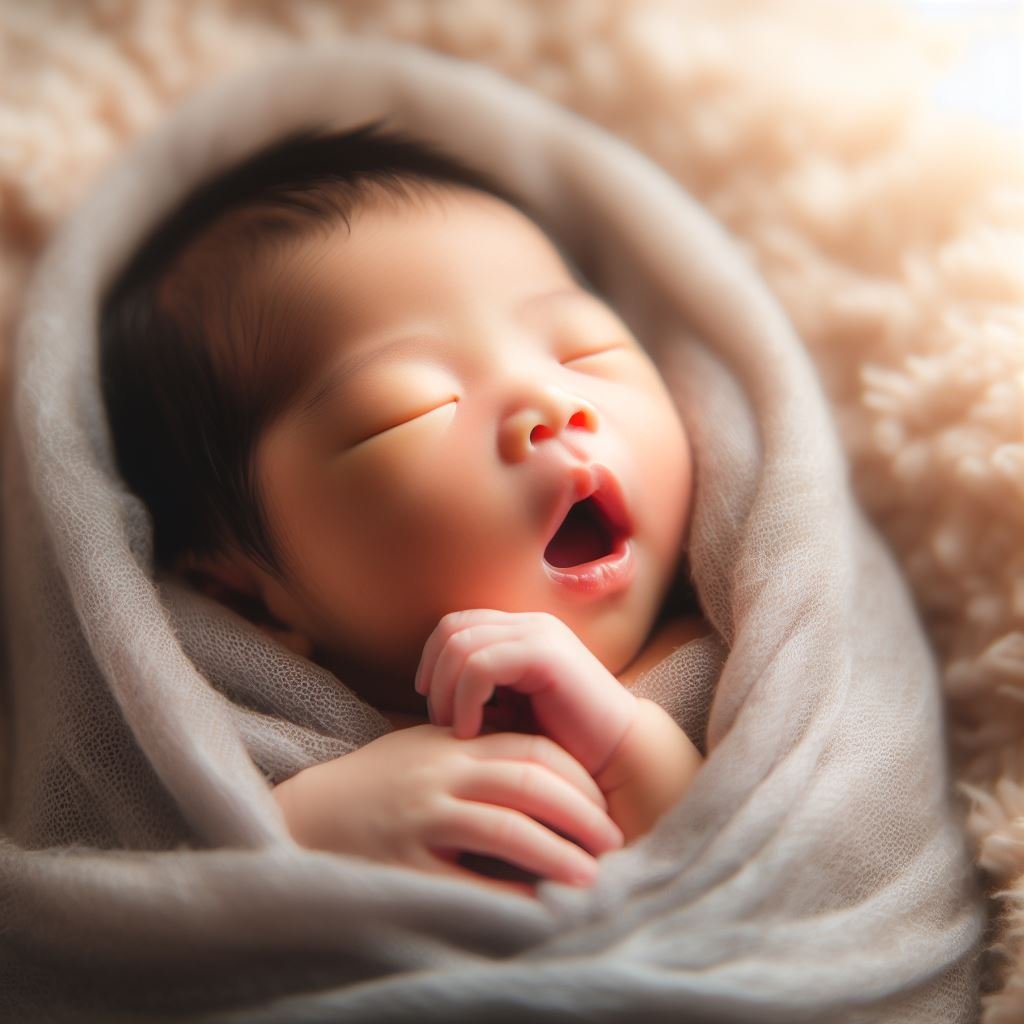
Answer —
893 238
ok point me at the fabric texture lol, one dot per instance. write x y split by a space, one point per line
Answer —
815 871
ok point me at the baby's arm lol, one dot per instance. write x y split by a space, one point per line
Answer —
420 797
649 771
630 746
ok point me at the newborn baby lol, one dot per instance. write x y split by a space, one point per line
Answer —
371 407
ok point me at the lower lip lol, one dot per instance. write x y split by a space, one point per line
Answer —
599 578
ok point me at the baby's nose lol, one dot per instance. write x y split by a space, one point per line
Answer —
546 414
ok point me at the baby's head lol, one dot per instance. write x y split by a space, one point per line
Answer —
358 388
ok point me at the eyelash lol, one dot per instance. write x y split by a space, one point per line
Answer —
619 346
403 422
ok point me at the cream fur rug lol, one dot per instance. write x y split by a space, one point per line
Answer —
895 239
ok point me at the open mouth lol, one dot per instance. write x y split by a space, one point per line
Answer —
594 527
585 535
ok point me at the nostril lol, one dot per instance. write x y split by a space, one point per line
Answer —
541 433
579 419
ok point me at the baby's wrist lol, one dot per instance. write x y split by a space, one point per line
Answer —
648 771
291 799
304 800
624 760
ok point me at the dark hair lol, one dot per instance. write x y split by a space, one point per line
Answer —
198 343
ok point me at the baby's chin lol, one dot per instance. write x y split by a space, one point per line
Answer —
617 635
615 642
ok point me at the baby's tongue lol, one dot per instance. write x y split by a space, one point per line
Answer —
581 538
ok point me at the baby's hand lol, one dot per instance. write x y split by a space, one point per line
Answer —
575 700
420 797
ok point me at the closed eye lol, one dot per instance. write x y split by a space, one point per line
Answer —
404 421
578 357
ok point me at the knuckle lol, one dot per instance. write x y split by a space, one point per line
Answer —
453 621
548 624
462 771
463 642
540 748
528 781
478 663
438 818
504 826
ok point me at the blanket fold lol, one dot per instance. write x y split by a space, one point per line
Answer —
815 871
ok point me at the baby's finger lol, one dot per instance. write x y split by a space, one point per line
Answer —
503 662
449 669
515 746
540 793
449 625
516 838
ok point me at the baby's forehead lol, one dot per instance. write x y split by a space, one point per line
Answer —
396 264
429 239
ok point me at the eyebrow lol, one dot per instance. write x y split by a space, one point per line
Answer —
345 368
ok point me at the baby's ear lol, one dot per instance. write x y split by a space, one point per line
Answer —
234 581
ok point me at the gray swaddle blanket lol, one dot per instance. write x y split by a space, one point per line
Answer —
815 871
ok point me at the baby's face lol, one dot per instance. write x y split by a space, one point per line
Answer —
483 434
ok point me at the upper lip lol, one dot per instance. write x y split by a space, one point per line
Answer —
600 484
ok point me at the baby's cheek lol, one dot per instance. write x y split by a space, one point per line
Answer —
414 526
667 474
